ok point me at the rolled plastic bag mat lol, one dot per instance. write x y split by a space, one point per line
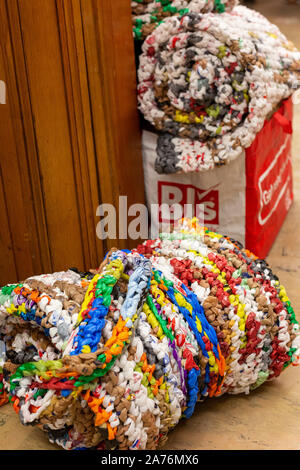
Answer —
113 359
208 82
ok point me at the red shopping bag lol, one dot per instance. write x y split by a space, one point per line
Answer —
269 181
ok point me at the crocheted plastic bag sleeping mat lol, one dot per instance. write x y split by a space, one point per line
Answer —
208 83
147 14
114 360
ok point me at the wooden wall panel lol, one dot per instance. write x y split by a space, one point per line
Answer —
69 134
81 126
111 74
48 100
24 137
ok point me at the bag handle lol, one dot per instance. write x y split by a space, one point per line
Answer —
285 123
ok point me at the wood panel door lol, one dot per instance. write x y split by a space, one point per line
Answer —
69 131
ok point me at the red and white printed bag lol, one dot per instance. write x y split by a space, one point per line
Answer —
247 199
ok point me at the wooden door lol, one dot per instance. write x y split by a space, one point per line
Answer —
69 132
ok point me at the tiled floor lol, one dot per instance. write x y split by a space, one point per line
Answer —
268 418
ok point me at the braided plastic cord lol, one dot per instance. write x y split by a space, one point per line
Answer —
208 82
116 359
147 14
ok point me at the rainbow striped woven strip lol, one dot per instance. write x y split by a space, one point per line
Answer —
114 360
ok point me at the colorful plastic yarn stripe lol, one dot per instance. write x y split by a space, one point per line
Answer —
207 83
147 14
114 359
